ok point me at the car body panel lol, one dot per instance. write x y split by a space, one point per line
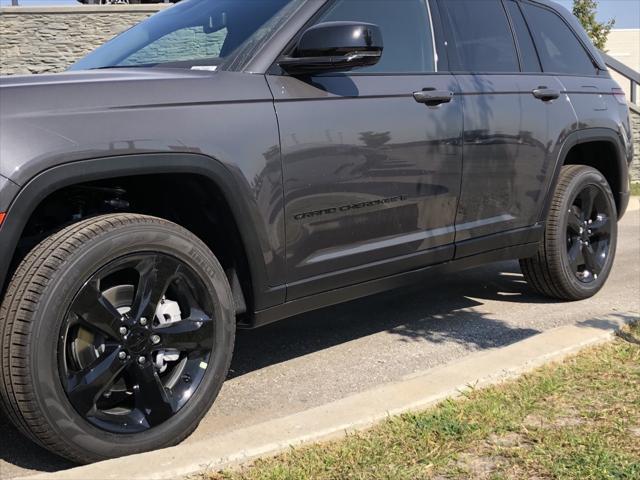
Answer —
8 191
509 142
81 124
369 173
51 120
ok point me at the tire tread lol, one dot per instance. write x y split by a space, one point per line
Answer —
27 286
544 271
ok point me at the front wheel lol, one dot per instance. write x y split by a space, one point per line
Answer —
117 334
579 244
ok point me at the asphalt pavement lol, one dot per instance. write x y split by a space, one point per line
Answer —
322 356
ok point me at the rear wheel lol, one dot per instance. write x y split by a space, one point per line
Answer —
117 334
579 245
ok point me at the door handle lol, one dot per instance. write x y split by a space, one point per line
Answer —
546 94
433 97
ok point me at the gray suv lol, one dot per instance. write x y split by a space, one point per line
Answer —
229 163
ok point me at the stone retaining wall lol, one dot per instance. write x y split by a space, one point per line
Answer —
635 166
49 39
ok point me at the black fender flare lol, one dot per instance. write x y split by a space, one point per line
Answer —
620 192
48 181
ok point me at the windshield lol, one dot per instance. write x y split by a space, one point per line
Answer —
192 34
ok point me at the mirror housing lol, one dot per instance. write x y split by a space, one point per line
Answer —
334 47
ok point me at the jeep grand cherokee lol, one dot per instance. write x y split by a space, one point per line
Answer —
229 163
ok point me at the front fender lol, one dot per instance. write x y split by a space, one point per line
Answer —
254 232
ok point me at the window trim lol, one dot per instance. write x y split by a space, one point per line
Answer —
439 36
276 70
433 37
515 35
594 62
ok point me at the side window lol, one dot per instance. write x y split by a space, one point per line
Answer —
406 32
560 50
528 55
482 37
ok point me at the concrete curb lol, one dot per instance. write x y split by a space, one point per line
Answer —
356 412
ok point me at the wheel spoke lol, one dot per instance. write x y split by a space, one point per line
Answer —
592 262
576 258
601 226
193 333
84 387
587 200
152 399
122 390
156 274
573 221
95 311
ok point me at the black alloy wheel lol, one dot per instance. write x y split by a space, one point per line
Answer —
588 233
116 335
128 359
578 247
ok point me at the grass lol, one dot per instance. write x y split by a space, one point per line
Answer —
576 420
635 188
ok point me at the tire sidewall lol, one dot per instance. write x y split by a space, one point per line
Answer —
588 176
49 316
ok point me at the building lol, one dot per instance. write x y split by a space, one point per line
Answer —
623 44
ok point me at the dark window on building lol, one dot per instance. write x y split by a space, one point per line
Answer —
406 32
528 55
559 48
481 34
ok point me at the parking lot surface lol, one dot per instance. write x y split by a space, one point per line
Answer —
325 355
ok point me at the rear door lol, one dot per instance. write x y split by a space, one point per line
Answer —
371 176
563 55
505 154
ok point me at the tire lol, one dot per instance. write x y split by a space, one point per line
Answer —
576 254
47 358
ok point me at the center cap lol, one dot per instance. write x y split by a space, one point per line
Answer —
137 340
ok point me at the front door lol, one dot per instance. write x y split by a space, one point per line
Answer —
371 176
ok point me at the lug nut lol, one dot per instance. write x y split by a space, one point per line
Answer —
122 355
141 360
155 339
123 330
143 321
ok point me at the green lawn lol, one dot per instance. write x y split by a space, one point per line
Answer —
635 189
576 420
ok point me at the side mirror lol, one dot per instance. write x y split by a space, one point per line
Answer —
335 46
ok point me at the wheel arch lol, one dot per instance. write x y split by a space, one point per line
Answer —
613 166
50 181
